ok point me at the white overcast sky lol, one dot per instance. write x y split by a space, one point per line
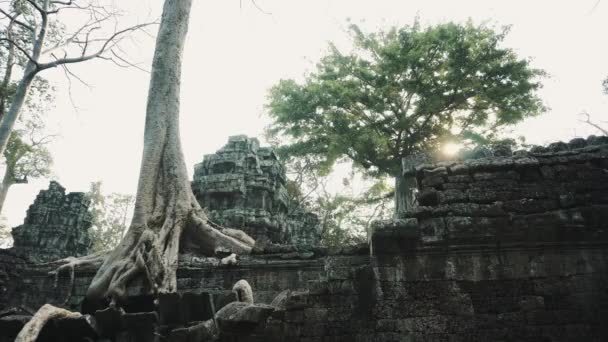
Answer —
235 53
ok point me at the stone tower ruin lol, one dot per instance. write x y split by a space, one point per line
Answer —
56 226
242 186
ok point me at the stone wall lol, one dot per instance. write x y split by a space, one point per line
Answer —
555 194
450 295
431 294
519 253
56 226
242 186
510 248
10 273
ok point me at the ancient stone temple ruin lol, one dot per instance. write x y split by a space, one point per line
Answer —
503 248
56 226
242 186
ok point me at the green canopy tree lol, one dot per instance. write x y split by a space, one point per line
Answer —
402 92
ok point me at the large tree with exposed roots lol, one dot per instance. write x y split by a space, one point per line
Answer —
167 218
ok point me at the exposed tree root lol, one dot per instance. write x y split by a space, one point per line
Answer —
148 257
167 219
92 261
47 312
154 258
202 238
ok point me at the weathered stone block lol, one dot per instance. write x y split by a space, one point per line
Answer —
482 176
432 229
56 226
428 196
460 179
433 181
438 171
452 196
530 206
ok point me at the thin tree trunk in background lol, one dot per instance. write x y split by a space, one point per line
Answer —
7 182
10 63
404 194
405 187
7 123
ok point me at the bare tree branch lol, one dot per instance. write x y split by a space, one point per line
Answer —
14 19
68 73
128 64
588 121
259 8
20 48
594 7
108 43
93 25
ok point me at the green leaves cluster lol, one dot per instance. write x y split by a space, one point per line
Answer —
345 215
404 91
27 155
111 215
6 238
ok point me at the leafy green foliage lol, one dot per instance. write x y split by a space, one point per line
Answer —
345 215
27 155
339 226
6 239
401 92
111 214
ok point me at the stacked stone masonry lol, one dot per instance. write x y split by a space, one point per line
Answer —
242 186
555 194
520 253
56 226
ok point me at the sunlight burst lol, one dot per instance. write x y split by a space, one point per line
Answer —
451 149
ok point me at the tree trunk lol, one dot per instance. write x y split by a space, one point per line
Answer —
8 121
404 194
7 182
166 211
8 72
31 69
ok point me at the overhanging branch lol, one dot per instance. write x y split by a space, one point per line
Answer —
108 43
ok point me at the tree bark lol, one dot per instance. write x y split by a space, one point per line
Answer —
7 182
47 312
166 211
404 194
8 72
